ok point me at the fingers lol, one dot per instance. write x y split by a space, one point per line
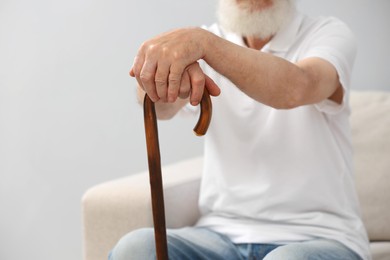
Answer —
197 79
185 86
151 77
174 80
213 88
165 83
144 72
137 65
147 78
193 82
161 62
160 81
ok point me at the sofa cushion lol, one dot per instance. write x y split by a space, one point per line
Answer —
380 250
370 122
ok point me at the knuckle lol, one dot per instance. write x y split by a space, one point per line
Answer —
160 80
165 50
145 44
174 83
151 47
177 55
148 47
198 81
145 77
174 78
160 83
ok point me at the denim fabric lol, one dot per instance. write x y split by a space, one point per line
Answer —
194 243
255 251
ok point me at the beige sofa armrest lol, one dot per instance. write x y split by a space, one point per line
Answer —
370 122
114 208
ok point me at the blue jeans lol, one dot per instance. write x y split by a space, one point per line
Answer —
193 243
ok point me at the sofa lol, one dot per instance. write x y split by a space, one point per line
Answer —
114 208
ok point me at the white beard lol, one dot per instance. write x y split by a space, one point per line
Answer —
240 19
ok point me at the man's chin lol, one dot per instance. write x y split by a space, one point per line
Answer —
260 24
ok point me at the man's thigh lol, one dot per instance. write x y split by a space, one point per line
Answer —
200 243
318 249
183 244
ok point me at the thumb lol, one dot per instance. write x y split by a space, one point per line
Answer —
213 88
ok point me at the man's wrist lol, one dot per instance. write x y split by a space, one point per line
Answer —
205 41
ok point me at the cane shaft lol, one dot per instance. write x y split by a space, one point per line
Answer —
155 178
154 162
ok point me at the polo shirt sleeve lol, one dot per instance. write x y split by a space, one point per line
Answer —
334 42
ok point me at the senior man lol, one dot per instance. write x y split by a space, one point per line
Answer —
278 178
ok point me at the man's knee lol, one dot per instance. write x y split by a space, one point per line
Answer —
320 249
138 244
286 253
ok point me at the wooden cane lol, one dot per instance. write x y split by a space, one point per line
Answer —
154 162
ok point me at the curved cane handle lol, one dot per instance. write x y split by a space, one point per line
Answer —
205 115
204 120
154 162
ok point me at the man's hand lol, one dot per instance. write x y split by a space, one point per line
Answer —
166 66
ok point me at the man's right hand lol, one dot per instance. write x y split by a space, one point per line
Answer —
191 89
192 85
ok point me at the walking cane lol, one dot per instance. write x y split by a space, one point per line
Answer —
154 161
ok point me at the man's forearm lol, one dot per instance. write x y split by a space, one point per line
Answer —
269 79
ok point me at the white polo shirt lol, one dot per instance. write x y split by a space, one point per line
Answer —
280 176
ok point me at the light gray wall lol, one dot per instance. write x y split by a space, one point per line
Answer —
68 116
370 21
